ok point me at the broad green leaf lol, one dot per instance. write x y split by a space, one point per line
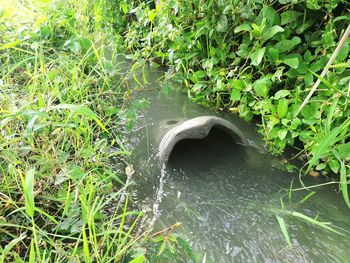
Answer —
344 150
290 16
282 134
257 56
270 33
293 62
243 51
85 43
270 14
139 259
308 79
284 229
281 94
308 56
235 94
310 111
243 27
274 53
321 166
295 123
344 53
199 74
262 87
313 4
316 65
222 24
258 28
344 184
282 108
151 15
334 165
302 68
220 86
287 45
237 84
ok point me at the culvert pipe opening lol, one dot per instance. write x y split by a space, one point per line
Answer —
199 132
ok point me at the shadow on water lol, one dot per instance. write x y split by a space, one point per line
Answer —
217 146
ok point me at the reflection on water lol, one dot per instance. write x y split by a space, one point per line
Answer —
224 194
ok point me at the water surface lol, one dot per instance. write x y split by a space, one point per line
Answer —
226 195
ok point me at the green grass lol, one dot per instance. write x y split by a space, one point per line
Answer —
64 107
60 104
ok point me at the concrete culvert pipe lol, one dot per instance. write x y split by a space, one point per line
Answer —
196 128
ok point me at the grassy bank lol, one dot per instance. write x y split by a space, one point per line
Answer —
262 60
62 113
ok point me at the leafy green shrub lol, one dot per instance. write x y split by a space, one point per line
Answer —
260 59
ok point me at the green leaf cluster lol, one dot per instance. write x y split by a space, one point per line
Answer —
259 59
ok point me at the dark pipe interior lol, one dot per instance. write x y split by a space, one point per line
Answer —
217 145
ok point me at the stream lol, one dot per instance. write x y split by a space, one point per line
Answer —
227 195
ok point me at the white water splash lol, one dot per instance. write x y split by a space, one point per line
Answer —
159 196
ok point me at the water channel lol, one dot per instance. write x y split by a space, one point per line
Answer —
227 195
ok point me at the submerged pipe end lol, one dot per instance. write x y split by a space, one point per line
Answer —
196 128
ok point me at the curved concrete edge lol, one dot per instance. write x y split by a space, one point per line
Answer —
196 128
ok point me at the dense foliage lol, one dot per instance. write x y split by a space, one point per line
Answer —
260 59
62 115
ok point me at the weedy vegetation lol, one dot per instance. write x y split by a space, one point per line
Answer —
288 209
63 110
282 64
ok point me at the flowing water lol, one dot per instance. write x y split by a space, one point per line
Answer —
227 195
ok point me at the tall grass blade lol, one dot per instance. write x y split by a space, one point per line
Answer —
331 115
307 197
86 247
32 252
82 110
11 44
343 183
328 84
315 222
326 143
123 215
28 190
284 229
